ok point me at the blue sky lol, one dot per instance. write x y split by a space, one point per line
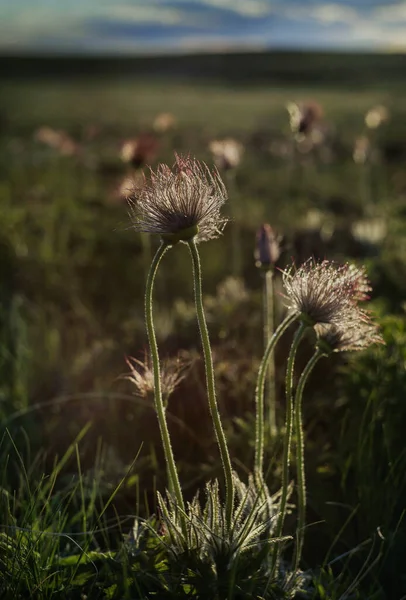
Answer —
154 26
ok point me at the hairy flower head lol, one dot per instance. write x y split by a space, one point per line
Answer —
141 375
356 334
180 203
324 292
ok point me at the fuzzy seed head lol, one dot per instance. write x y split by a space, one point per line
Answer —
357 334
180 203
323 292
141 375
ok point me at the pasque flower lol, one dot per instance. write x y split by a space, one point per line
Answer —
180 203
324 292
141 375
355 334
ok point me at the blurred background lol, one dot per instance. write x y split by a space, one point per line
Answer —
301 106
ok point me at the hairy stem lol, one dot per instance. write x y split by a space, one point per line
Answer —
300 462
287 441
174 484
269 324
211 390
259 392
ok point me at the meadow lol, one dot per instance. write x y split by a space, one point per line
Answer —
81 453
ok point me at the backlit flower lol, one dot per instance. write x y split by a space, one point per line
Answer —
355 334
323 292
142 375
180 203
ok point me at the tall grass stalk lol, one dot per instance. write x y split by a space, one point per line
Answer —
211 389
300 462
288 439
174 483
260 390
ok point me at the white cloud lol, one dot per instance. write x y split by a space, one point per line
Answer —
324 14
245 8
143 14
375 36
393 13
333 13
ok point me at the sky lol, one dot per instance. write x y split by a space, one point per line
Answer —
161 26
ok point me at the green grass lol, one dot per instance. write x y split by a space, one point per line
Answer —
71 307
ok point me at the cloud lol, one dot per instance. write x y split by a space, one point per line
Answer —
392 13
323 14
143 14
156 25
334 13
245 8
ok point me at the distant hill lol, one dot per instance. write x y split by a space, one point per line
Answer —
236 68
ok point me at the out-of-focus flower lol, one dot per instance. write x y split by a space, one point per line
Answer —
57 139
376 116
362 150
267 250
371 231
140 151
227 153
180 203
127 185
141 375
323 292
164 122
304 116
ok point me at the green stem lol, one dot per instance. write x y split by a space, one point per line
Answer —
211 390
287 441
300 462
259 391
269 324
174 483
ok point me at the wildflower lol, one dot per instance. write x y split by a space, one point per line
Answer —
57 139
369 231
362 150
125 188
376 116
267 249
357 282
142 375
139 151
357 334
181 203
164 121
226 153
304 116
324 292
